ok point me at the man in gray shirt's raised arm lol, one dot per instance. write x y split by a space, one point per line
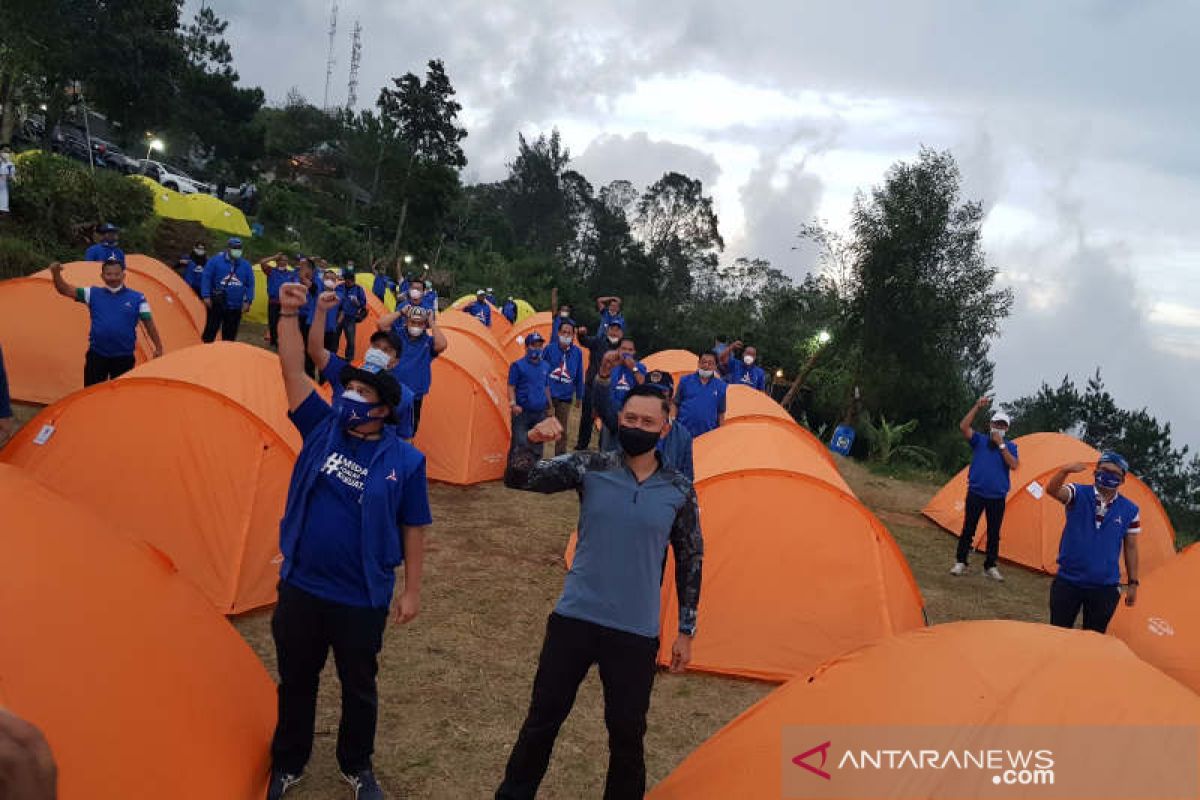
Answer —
630 509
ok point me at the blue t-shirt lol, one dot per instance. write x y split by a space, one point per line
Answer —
752 376
509 311
566 372
276 278
622 381
530 380
101 252
1089 553
989 473
607 318
404 411
481 311
415 369
194 275
328 560
115 316
353 300
700 404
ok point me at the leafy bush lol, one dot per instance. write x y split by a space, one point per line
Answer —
285 206
58 200
887 447
19 257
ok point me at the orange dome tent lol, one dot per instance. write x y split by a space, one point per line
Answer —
45 335
1162 628
796 572
465 424
764 444
478 332
157 270
501 328
973 678
121 662
1033 522
676 362
742 401
191 453
514 341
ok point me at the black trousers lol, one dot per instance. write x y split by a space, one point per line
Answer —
1098 604
586 423
98 368
273 322
225 320
305 629
417 403
627 668
976 507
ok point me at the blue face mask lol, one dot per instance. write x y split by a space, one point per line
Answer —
533 354
353 409
1107 480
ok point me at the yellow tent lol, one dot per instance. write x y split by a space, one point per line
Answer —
367 281
205 209
524 309
258 311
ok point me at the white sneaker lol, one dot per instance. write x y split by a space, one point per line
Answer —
994 574
958 569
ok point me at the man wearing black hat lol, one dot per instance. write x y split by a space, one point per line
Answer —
357 508
227 288
115 312
106 248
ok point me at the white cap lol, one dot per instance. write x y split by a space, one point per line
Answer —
1000 416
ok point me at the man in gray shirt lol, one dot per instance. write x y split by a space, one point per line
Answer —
631 508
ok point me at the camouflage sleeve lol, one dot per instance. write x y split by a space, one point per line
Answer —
527 473
688 544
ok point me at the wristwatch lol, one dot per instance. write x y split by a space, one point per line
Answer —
1134 582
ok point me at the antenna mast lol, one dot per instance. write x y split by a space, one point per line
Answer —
329 61
355 61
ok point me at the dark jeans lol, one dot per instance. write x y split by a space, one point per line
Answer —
225 320
273 322
521 423
976 507
98 368
348 330
305 628
586 422
627 667
417 403
1098 604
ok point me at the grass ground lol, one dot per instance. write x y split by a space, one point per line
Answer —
454 684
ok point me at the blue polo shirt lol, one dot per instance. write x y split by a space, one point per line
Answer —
353 300
700 404
753 376
989 473
115 316
622 380
276 278
101 251
530 380
1089 553
566 372
415 369
404 411
481 311
343 553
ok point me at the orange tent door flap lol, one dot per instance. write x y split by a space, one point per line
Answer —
742 401
1163 627
125 667
764 443
1033 521
795 573
464 430
191 453
45 335
986 675
153 268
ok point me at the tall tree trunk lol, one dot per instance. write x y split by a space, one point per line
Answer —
7 117
403 207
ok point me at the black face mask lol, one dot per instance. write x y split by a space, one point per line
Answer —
636 441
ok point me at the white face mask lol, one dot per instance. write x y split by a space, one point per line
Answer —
376 358
415 331
235 253
350 394
614 339
1000 431
706 373
117 289
415 294
331 285
747 360
565 341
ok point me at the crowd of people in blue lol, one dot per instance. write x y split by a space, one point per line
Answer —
358 505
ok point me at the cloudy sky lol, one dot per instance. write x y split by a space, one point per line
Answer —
1074 122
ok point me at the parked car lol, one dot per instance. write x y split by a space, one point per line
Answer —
172 177
73 143
114 157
